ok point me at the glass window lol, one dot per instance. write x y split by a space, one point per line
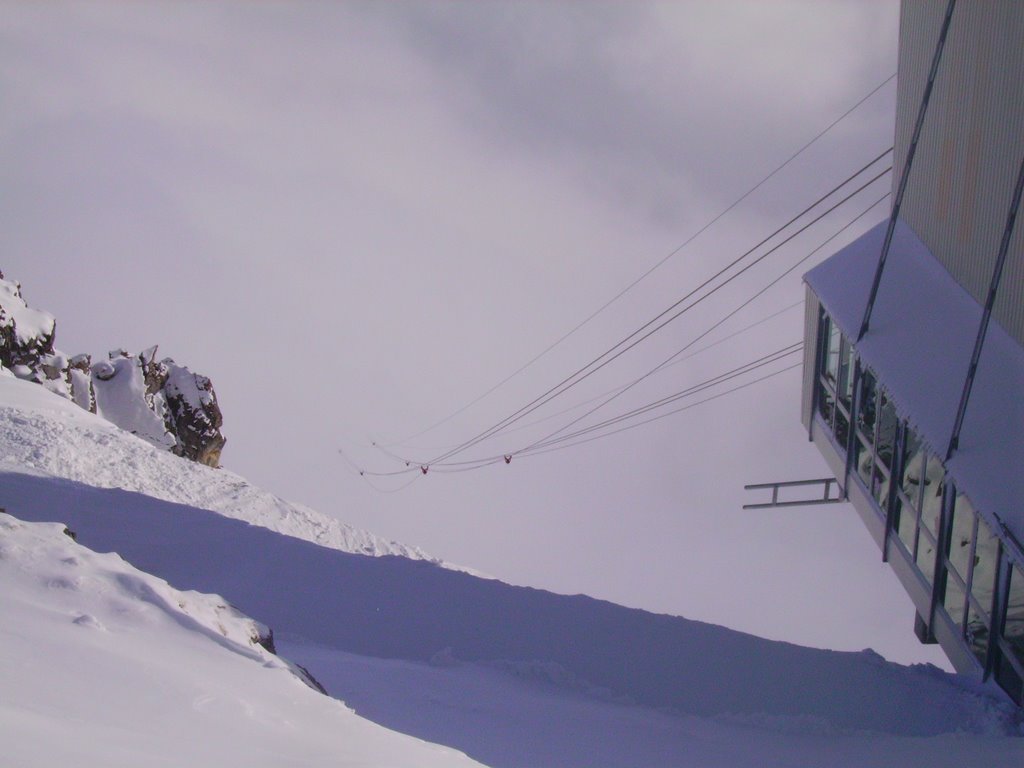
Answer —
1013 635
986 567
925 556
906 525
913 467
887 423
955 599
931 513
976 632
844 385
1013 631
931 498
912 470
961 535
866 406
832 351
826 404
863 460
842 429
880 487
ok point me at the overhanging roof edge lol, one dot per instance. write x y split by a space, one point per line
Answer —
919 346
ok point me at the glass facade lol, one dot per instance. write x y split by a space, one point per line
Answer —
976 583
1010 666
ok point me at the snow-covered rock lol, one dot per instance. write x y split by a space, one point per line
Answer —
26 335
160 401
192 413
47 435
122 398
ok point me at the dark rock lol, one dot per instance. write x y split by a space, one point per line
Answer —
193 415
265 639
307 677
153 373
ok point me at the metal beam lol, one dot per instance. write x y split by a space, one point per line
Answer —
826 497
897 200
979 341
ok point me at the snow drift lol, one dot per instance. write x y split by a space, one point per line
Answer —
101 664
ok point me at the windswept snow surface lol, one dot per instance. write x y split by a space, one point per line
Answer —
101 664
514 677
526 716
482 665
51 435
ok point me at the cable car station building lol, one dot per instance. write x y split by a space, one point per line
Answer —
913 386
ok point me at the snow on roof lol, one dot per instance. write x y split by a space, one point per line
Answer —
919 345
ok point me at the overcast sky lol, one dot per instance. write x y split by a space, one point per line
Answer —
357 218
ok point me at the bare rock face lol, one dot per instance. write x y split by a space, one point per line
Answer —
160 401
193 415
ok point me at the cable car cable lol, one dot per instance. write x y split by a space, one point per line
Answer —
656 266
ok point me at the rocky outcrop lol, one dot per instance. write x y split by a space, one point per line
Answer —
193 416
160 401
26 335
183 414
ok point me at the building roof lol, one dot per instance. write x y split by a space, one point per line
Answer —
919 345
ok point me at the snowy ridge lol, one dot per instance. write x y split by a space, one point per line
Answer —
49 435
102 664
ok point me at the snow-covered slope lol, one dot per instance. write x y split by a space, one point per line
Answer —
48 434
393 607
514 677
101 664
533 716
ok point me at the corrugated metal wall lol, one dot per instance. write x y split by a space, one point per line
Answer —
972 142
